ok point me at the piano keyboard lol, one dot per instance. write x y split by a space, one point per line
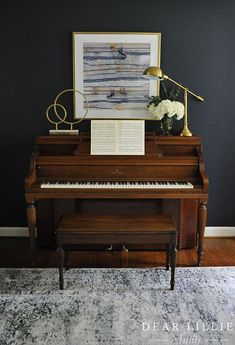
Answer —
118 185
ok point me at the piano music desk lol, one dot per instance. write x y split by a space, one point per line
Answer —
76 229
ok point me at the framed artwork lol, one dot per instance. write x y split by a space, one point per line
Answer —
108 69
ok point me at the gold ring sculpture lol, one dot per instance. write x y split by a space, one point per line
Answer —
55 105
56 123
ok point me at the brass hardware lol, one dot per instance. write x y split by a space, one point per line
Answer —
124 249
155 73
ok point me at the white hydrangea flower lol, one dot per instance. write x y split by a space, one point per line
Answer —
178 109
158 113
166 107
170 108
151 109
155 112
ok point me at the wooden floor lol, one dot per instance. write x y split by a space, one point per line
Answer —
14 252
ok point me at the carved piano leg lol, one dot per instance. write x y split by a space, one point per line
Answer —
202 215
31 217
60 253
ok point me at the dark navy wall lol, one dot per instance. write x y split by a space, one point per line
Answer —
36 63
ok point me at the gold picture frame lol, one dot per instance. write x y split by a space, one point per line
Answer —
108 68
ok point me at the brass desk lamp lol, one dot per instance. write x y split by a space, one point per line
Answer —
155 73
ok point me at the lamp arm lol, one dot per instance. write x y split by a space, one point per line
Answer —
184 88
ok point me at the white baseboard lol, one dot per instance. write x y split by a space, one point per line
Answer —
220 231
211 231
14 232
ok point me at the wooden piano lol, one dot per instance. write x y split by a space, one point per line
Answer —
170 178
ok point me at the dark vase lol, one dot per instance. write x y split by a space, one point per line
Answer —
166 125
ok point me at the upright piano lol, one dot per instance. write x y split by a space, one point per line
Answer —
63 177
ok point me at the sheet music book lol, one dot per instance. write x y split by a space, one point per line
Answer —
117 137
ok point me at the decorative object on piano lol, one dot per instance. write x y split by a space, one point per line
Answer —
63 119
108 69
166 110
155 73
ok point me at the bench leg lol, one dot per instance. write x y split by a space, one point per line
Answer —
66 259
60 252
173 263
167 257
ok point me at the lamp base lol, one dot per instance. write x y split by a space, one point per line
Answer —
185 132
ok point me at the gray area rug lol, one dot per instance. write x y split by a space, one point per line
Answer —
117 306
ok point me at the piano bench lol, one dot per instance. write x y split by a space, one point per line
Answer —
77 229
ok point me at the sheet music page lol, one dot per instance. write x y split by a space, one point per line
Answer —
103 137
131 137
117 137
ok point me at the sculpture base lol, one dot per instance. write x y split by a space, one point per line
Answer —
63 131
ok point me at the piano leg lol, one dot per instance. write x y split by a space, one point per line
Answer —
60 252
202 215
31 218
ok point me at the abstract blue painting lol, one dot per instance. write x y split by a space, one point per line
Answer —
113 75
108 69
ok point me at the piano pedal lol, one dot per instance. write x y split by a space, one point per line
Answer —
110 247
124 249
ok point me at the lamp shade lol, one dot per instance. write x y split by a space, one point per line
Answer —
154 73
